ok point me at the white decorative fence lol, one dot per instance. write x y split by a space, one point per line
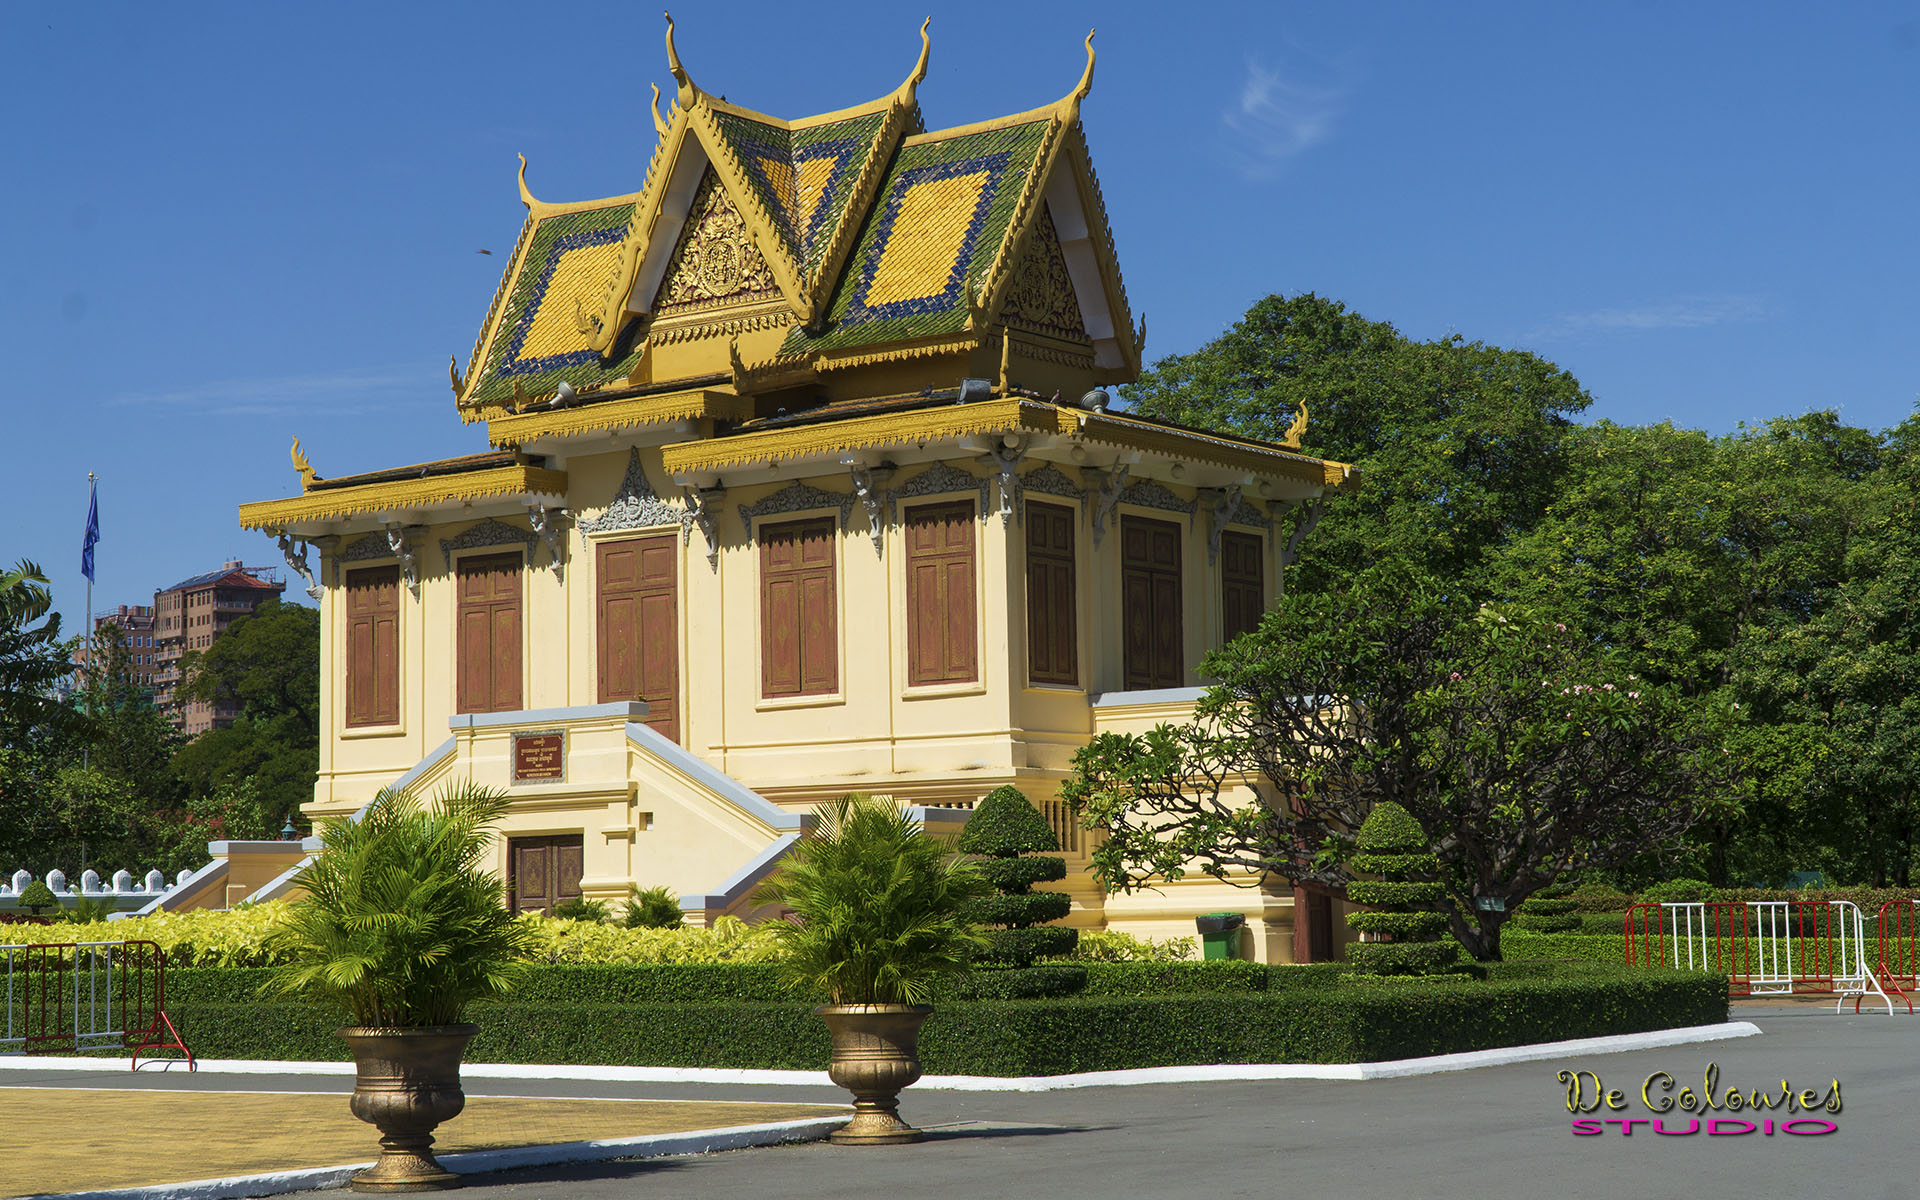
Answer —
122 892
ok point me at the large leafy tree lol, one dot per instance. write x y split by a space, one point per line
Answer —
1527 753
1461 445
1683 547
268 666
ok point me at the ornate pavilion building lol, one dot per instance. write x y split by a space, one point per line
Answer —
804 481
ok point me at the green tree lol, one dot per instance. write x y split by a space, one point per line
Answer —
1839 691
34 659
1460 444
1530 754
1683 547
267 665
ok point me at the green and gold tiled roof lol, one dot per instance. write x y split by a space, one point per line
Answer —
534 339
849 229
803 177
941 219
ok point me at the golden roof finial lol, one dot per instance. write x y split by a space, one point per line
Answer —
919 73
300 464
659 126
526 197
1298 429
453 375
687 90
1070 106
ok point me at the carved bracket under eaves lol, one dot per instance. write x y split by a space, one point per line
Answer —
1110 481
703 509
1005 462
297 563
869 484
546 525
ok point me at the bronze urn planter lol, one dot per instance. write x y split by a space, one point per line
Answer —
876 1052
407 1081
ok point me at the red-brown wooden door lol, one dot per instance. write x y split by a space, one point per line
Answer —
490 633
1052 616
639 627
544 871
1153 655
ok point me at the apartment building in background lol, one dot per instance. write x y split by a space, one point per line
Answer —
189 616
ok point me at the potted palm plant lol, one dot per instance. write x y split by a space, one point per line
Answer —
401 927
877 909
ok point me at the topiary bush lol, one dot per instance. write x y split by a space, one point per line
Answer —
37 896
1002 834
1549 910
1407 933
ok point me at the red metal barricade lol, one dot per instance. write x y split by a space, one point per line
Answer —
64 998
1899 959
1764 948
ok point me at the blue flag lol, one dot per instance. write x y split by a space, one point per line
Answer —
93 533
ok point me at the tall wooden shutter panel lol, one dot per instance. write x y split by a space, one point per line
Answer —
639 633
799 620
1243 596
373 646
940 594
490 633
1052 617
1152 646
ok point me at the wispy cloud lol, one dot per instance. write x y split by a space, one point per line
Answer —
352 391
1279 115
1680 312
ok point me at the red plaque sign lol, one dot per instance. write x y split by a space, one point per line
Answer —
539 757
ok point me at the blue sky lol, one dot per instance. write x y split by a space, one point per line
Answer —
231 224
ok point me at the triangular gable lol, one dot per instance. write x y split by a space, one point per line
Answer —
804 177
715 264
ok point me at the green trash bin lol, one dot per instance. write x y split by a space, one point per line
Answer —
1219 934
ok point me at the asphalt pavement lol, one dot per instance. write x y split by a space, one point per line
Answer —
1491 1132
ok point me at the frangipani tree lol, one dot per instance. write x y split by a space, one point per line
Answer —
1526 754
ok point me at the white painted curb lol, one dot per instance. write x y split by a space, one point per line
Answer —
698 1141
1617 1044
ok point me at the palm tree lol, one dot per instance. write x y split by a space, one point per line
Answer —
33 658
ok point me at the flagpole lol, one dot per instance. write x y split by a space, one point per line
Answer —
86 750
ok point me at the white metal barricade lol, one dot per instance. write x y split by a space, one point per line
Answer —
1774 947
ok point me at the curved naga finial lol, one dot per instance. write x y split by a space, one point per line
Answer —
526 197
919 73
300 464
659 126
453 375
1298 429
687 90
1070 106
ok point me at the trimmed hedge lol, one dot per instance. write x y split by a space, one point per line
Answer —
1301 1016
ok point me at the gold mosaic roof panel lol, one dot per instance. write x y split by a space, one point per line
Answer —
941 218
563 267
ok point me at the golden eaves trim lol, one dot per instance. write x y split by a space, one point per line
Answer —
517 429
885 429
334 504
1254 457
